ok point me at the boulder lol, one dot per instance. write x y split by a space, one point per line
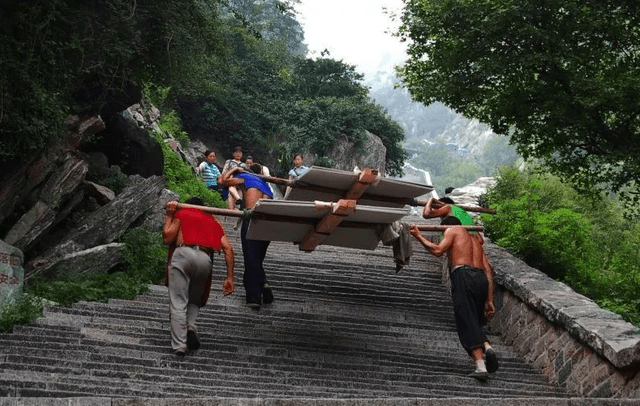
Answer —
56 198
471 194
346 156
97 259
104 225
145 118
22 188
102 194
154 217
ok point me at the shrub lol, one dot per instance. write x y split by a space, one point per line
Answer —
25 310
182 179
145 259
587 243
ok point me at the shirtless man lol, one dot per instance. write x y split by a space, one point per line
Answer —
471 290
254 188
194 235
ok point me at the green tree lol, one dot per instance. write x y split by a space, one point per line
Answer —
561 75
62 56
497 152
270 20
445 167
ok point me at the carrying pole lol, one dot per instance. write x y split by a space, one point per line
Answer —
476 209
428 227
212 210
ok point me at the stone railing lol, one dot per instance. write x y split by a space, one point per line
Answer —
589 351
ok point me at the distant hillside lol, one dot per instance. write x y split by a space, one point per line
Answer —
433 122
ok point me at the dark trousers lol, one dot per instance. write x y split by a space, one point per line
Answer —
253 252
469 292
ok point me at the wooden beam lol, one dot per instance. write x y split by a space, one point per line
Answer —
339 211
366 178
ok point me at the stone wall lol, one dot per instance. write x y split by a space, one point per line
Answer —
589 351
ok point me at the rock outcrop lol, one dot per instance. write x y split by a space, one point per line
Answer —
346 156
60 219
102 226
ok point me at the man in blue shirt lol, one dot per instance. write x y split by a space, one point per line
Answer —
254 188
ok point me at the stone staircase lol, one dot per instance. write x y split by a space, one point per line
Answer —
344 329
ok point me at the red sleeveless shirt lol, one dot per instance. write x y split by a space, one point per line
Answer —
199 228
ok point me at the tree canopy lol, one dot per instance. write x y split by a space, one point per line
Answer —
236 68
61 56
561 77
280 103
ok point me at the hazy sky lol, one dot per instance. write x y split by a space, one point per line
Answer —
354 31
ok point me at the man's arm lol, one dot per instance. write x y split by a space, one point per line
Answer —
490 307
171 226
434 249
228 286
227 178
434 208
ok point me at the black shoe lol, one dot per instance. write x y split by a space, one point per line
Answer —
193 342
180 351
252 304
491 358
267 294
481 376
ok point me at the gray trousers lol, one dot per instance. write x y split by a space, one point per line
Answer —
187 280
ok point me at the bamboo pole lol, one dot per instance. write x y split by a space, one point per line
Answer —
211 210
428 227
466 208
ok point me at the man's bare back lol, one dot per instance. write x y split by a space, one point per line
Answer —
463 249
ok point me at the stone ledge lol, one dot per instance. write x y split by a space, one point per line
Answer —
604 332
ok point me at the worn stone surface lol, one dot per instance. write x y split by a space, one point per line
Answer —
344 327
11 273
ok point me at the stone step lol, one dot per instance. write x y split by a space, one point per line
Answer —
344 327
206 383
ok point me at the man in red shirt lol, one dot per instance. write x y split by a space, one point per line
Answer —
195 236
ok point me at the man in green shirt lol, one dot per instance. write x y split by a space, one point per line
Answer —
444 207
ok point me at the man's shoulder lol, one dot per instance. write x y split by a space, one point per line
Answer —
456 231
